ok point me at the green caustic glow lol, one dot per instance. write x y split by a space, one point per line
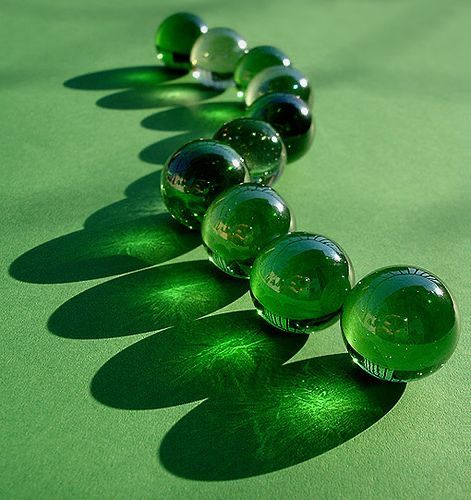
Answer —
240 222
205 118
98 252
400 323
284 417
221 112
139 77
146 301
158 96
206 358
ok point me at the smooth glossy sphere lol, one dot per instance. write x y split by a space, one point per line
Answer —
215 56
197 173
279 79
400 323
175 38
290 117
259 144
300 281
240 222
256 60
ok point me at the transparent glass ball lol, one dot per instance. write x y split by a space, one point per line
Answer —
255 61
299 282
175 38
240 222
290 117
195 175
400 323
215 55
259 144
281 79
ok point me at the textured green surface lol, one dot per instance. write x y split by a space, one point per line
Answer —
400 323
388 178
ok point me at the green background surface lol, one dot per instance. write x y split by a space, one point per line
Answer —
388 178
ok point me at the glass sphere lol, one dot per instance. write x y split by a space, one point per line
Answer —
259 144
300 281
290 117
279 79
197 173
256 60
175 37
239 223
215 56
400 323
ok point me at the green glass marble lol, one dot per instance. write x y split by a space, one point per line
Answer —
290 117
256 60
400 323
197 173
279 79
300 281
175 38
259 144
215 55
239 223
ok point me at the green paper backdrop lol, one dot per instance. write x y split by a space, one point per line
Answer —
98 401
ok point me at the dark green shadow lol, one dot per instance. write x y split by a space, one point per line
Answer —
159 152
160 96
144 186
205 117
198 121
193 361
301 411
143 199
97 253
126 210
145 301
128 235
139 77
